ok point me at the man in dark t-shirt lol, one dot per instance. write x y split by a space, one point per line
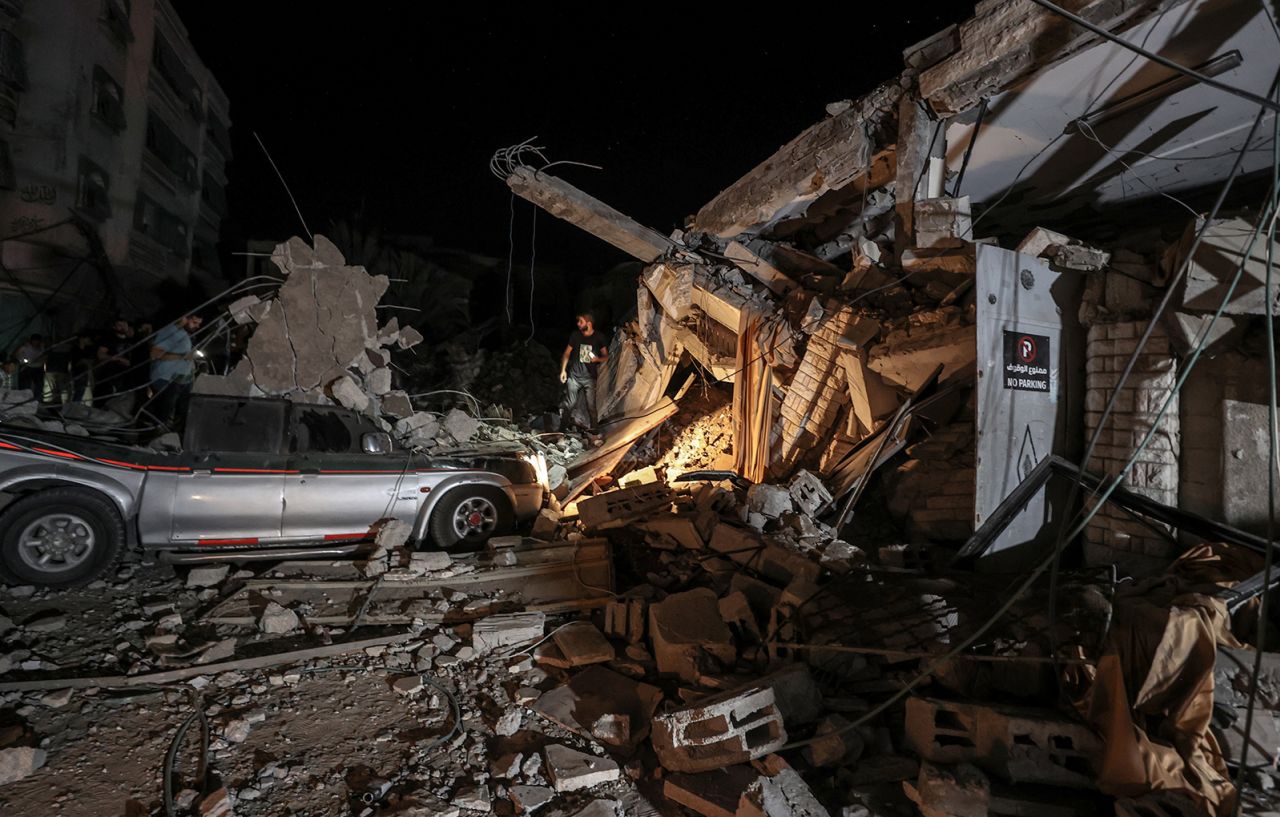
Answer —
587 349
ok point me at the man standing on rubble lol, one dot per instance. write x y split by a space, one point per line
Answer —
587 349
173 370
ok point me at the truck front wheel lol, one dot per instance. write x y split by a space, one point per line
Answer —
470 516
61 537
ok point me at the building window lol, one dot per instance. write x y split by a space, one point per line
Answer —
115 16
204 254
214 195
8 180
168 148
152 220
108 100
218 134
91 194
13 75
168 65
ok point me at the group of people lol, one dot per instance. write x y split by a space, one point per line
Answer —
124 365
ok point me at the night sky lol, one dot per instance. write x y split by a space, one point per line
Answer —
389 113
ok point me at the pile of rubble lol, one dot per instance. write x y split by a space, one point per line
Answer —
317 339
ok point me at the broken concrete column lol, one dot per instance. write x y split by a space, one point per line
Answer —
686 632
733 727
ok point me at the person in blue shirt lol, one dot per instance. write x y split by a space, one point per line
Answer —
172 370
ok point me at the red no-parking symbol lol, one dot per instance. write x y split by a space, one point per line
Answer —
1026 349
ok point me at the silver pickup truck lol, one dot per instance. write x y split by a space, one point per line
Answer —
257 479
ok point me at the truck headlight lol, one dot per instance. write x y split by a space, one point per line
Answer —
539 463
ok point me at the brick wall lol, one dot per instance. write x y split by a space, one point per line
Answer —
933 492
815 395
1113 536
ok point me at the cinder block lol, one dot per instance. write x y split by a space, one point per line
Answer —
733 727
1023 745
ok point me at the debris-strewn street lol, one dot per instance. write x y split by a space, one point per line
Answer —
931 467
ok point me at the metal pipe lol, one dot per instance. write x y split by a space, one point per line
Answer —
177 558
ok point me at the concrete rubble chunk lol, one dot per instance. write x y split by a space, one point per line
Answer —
771 501
460 426
596 693
613 509
545 525
396 404
18 762
685 629
1211 270
409 337
216 803
473 798
570 770
529 799
781 792
348 394
959 791
729 728
277 620
808 493
379 381
506 630
430 560
241 309
581 644
393 533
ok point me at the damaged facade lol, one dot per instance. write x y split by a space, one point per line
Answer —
874 572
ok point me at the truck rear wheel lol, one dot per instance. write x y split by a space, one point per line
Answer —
61 537
470 516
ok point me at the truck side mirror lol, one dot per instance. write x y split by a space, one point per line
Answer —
376 442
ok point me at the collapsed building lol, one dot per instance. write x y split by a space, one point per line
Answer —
969 291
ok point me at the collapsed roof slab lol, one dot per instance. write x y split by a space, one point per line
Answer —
564 201
827 156
1006 40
